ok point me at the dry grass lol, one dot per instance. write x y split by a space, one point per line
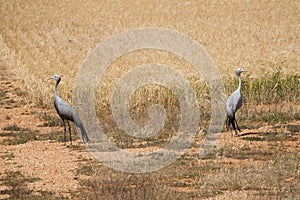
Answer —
42 38
276 177
15 135
17 187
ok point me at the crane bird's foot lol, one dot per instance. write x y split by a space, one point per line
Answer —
86 141
236 133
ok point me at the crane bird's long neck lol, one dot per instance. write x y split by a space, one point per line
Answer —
240 83
55 89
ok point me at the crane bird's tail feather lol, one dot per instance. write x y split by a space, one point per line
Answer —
79 125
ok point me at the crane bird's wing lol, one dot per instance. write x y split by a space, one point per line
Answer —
240 102
66 111
234 102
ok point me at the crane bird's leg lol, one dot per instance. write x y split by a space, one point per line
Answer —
236 127
226 123
65 129
70 132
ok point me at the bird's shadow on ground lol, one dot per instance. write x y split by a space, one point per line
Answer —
248 133
251 136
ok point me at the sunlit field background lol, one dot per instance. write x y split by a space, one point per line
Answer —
54 37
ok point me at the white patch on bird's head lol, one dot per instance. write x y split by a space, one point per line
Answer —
239 71
56 78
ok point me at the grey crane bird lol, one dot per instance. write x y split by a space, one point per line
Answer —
234 102
66 112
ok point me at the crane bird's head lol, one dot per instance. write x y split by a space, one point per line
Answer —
239 71
56 78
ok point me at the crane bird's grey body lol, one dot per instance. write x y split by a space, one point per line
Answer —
234 103
66 112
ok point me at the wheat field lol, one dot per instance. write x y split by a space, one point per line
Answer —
49 38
